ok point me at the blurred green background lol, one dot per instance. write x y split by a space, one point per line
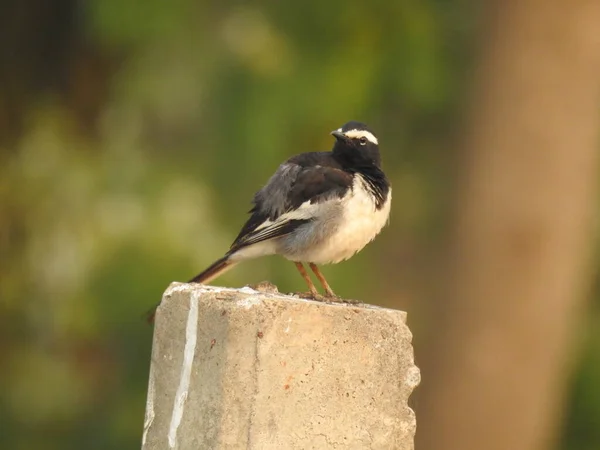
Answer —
132 136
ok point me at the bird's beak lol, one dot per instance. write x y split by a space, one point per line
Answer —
338 135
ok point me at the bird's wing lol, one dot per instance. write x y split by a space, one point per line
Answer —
291 198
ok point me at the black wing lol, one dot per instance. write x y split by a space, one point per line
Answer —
277 205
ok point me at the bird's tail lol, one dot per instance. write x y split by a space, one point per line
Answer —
217 268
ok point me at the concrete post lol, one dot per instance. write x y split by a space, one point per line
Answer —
243 369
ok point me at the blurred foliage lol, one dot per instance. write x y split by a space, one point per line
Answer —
129 161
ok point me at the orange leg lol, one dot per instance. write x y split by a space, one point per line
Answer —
328 291
311 286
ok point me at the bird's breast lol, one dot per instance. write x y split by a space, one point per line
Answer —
346 228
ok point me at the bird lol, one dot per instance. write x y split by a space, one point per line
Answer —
317 208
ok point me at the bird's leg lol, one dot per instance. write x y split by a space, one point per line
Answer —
328 291
311 286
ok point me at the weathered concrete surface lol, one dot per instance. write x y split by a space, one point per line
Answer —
241 369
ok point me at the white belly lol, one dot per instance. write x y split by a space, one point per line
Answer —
359 226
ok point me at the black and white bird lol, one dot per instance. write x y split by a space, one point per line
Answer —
318 208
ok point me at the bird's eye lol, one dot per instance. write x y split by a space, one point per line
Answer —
363 141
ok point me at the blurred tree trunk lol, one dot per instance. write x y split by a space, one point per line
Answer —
496 370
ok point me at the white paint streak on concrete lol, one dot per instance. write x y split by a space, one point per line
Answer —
149 417
186 370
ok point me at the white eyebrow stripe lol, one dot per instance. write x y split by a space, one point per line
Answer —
356 134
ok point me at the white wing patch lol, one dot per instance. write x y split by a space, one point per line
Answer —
261 242
305 211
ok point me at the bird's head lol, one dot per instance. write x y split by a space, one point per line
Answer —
356 144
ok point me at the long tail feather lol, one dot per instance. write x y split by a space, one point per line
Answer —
213 271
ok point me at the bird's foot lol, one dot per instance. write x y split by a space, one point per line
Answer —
331 297
311 296
327 298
